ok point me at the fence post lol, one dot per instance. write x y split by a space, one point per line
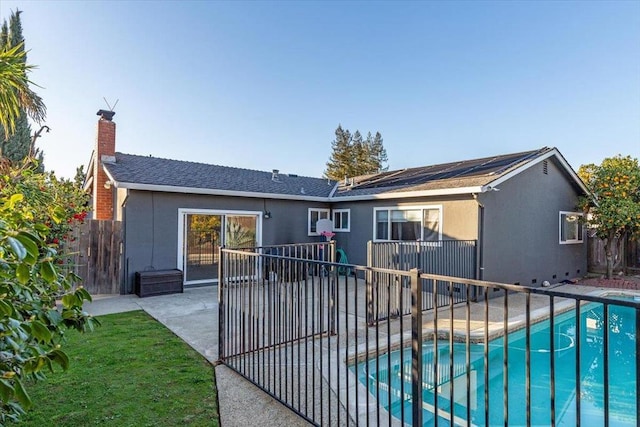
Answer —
476 267
416 347
333 278
221 306
369 283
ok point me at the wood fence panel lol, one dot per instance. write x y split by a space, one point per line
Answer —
626 256
96 255
633 256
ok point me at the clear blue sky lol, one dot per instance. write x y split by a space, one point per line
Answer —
263 85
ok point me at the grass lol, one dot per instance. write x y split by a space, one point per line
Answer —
131 371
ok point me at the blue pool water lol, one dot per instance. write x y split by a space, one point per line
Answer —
621 381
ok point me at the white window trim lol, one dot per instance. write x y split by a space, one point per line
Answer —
404 208
569 242
182 214
319 210
333 219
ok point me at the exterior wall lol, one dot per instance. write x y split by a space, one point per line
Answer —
459 221
521 229
151 227
121 196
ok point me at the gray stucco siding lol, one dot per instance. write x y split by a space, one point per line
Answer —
151 227
521 229
121 195
459 221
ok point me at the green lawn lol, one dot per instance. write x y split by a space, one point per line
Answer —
131 371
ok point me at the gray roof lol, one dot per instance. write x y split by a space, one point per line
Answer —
144 172
155 171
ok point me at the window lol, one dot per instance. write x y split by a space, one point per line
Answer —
571 228
315 214
341 219
407 224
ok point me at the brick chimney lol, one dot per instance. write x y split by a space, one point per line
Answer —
103 191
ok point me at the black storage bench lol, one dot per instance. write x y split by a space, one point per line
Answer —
158 282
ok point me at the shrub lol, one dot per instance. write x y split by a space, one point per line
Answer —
38 299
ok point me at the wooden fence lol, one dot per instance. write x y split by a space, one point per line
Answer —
633 256
95 254
626 256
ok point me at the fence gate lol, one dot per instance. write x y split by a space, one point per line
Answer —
95 254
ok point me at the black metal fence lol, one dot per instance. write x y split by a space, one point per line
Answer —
282 269
528 357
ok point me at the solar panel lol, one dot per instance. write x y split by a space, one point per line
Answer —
476 167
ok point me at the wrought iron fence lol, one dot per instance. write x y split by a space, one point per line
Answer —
283 270
531 356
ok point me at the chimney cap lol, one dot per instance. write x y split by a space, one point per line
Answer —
106 114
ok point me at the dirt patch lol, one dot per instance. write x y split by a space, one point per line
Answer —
621 282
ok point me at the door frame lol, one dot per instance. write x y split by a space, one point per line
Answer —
182 215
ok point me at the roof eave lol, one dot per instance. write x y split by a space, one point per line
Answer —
214 191
88 184
329 199
412 194
88 179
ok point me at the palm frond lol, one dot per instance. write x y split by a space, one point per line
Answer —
15 94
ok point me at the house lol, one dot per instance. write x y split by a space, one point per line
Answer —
520 208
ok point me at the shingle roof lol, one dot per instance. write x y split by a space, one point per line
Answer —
155 171
143 172
461 174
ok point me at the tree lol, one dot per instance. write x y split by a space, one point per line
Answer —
359 154
15 94
17 145
338 166
614 211
352 156
80 177
377 155
37 212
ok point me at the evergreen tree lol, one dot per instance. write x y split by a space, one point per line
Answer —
378 154
4 35
81 176
338 166
359 154
352 156
16 147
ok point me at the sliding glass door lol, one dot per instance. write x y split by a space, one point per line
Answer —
204 232
240 231
201 246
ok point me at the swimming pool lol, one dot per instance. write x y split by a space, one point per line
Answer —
621 378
